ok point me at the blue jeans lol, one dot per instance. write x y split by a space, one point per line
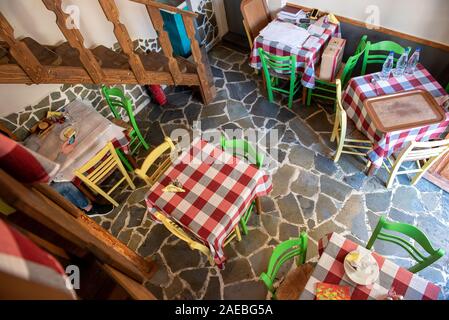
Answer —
71 193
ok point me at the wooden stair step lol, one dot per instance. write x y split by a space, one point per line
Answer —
4 59
46 56
154 61
111 59
70 56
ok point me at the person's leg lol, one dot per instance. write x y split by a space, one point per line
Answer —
71 193
75 196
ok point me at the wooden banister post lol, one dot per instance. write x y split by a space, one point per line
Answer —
121 33
20 51
76 40
164 40
207 89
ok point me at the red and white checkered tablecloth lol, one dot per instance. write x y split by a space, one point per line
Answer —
333 250
21 258
306 58
361 88
219 187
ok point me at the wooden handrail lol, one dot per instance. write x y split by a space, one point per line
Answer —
121 33
21 52
166 7
76 40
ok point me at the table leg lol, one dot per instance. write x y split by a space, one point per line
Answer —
304 95
87 192
132 161
264 84
372 170
258 206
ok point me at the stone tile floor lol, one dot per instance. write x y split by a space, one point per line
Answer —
310 193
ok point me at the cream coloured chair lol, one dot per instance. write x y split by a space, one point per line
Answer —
424 154
101 166
345 144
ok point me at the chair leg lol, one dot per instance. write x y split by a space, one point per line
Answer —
102 193
424 169
124 160
237 233
142 140
309 96
339 150
393 175
244 227
270 91
290 98
125 173
336 127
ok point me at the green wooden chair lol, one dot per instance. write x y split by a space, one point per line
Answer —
362 44
240 147
447 88
278 67
412 232
117 99
283 252
327 89
377 53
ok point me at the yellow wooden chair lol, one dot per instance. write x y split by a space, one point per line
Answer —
424 154
99 168
340 130
157 153
176 230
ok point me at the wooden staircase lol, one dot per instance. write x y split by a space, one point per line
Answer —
28 62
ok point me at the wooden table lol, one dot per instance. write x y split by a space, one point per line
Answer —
93 131
218 189
385 144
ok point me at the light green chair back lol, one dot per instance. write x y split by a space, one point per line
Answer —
282 253
275 67
411 232
116 100
377 53
242 148
362 44
326 89
349 68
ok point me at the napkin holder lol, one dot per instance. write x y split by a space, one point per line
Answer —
331 59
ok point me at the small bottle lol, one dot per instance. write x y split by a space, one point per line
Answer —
401 65
388 66
412 62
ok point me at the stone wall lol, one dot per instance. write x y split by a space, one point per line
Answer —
207 24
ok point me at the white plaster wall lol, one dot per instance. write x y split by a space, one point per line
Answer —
427 19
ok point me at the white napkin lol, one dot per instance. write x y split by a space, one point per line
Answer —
285 33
